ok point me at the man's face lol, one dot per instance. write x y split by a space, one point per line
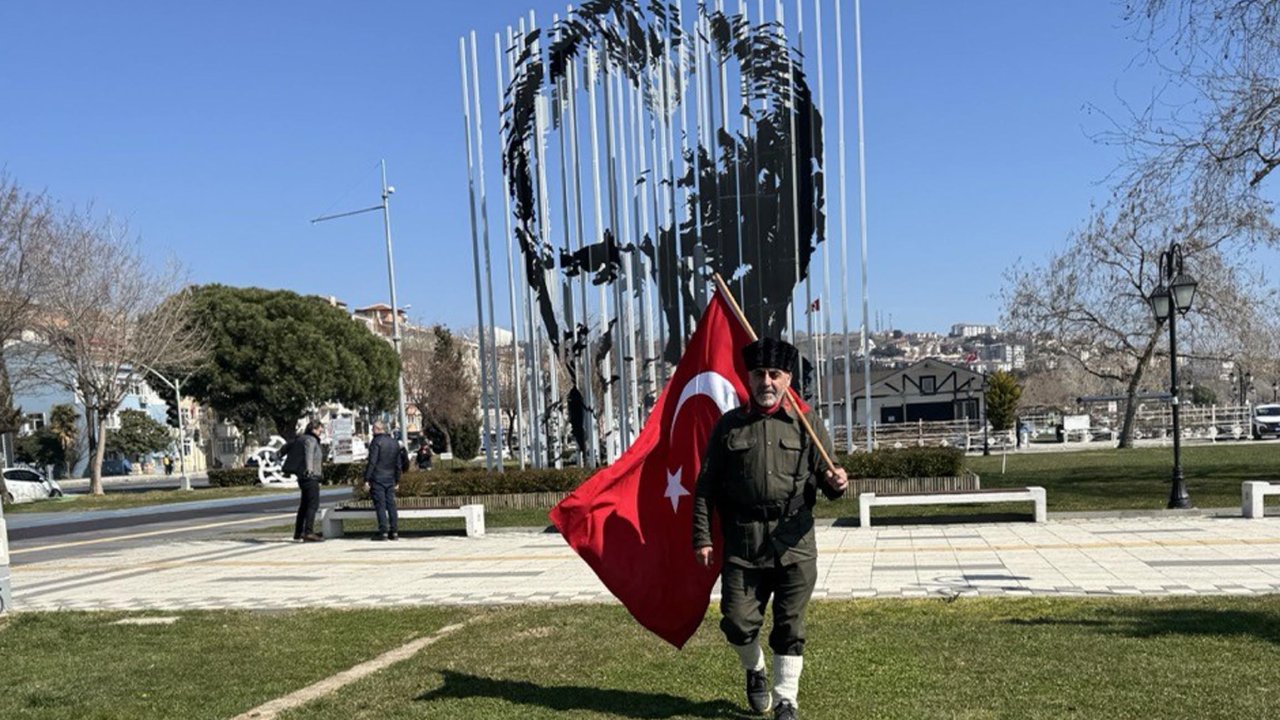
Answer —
768 386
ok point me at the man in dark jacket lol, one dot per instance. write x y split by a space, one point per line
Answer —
761 473
302 459
382 479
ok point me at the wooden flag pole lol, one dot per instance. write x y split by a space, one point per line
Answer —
790 396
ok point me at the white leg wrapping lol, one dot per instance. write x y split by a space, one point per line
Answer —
786 678
751 656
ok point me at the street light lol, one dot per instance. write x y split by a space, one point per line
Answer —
1175 292
175 384
385 207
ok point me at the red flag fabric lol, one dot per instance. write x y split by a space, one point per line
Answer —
632 522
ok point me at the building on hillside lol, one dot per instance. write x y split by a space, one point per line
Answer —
967 330
928 390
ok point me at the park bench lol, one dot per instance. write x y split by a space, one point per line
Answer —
331 519
1034 494
1252 493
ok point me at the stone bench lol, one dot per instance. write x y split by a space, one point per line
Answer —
331 519
1033 494
1252 493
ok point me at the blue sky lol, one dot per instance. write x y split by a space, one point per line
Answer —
218 129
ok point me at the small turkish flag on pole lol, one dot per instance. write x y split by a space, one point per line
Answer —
633 521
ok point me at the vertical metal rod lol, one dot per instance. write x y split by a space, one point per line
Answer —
658 200
737 167
495 398
844 242
569 316
808 276
795 169
668 114
862 187
511 284
610 136
475 244
749 120
626 318
699 260
536 402
585 374
396 337
639 265
593 72
549 280
826 237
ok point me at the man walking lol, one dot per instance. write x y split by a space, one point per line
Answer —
761 473
382 479
302 460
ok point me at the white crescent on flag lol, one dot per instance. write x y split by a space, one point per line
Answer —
720 390
713 385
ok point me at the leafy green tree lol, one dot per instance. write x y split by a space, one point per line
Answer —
1003 394
40 448
438 381
64 423
139 434
466 438
274 354
1202 395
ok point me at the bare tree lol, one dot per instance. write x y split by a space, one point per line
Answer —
438 380
26 244
105 315
1087 304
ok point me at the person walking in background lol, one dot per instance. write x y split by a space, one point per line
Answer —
302 459
168 465
424 455
382 479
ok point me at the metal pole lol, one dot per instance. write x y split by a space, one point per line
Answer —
862 187
844 242
521 425
1178 497
395 311
495 391
584 375
534 375
826 238
475 255
611 138
183 480
593 71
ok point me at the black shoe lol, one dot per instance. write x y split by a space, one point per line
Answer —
312 537
758 696
785 711
394 536
379 537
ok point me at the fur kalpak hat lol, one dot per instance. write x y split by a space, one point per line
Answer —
769 353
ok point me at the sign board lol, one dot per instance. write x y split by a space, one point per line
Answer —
342 428
1075 423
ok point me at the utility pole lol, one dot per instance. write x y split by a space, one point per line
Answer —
385 207
176 386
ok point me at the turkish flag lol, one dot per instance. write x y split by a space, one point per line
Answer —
633 521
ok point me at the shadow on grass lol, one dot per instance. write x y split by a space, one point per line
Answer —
1155 622
615 703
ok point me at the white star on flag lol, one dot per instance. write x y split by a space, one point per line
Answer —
675 489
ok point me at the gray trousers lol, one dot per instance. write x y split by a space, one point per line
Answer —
745 592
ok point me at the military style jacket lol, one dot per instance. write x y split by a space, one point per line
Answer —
761 474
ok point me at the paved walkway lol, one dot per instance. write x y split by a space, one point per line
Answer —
1102 557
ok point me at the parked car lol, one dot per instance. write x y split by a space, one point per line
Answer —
22 484
1266 421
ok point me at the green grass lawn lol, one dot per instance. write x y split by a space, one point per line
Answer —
120 500
972 658
1134 479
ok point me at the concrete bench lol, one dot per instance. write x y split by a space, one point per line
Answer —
1033 494
1252 493
331 519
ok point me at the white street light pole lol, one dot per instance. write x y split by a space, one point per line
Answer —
385 207
176 386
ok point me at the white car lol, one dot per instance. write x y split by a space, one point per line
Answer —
1266 421
23 484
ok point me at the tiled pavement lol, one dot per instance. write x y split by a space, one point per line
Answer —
1078 557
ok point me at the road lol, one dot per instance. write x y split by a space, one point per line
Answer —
40 537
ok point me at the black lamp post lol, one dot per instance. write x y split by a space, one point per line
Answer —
1171 298
1242 385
